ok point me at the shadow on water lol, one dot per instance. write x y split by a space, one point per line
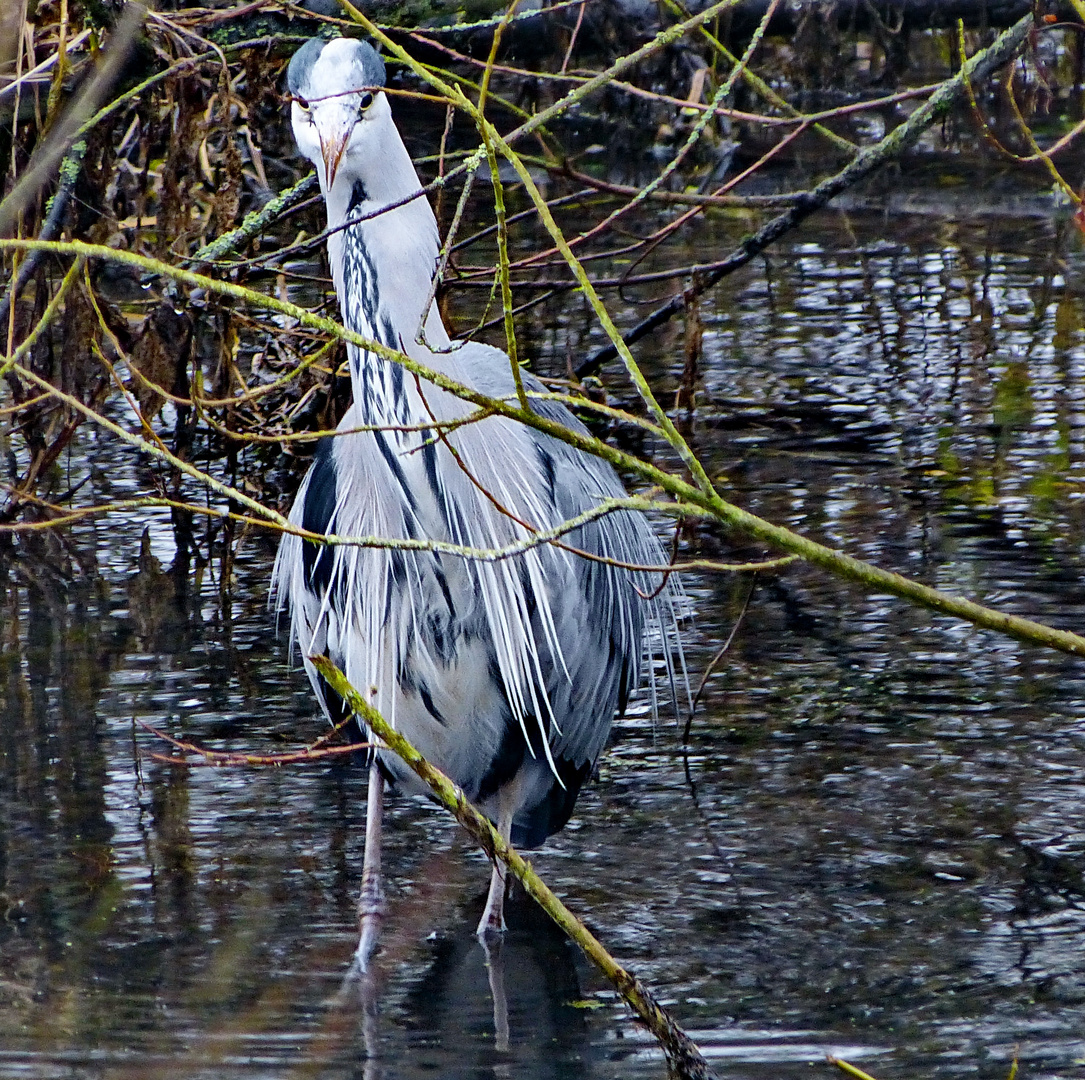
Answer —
882 853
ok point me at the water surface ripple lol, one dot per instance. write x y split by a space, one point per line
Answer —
873 845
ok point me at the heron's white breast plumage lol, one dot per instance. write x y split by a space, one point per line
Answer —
452 650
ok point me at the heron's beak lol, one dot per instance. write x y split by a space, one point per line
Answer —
332 146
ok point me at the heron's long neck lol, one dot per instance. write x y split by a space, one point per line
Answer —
383 269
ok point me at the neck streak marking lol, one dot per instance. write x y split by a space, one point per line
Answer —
378 382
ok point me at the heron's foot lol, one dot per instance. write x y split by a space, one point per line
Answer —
367 942
493 916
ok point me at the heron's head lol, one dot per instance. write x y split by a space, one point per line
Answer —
339 112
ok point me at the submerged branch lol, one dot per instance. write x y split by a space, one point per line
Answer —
1004 48
223 758
683 1055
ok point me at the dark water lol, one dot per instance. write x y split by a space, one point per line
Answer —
874 844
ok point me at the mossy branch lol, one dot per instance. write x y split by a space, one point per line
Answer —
257 221
975 69
684 492
683 1056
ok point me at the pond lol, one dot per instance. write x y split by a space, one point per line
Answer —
872 844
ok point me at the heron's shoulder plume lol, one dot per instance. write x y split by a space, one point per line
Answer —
338 56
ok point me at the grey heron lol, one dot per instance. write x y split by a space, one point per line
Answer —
505 674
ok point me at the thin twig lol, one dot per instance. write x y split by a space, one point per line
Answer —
222 758
691 497
977 68
721 652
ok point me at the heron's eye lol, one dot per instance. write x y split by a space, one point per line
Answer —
365 101
302 104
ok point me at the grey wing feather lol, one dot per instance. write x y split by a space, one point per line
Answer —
602 620
482 663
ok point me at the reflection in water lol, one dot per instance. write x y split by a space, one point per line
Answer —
886 852
484 1009
475 1010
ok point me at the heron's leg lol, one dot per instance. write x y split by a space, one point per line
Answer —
495 968
371 901
493 916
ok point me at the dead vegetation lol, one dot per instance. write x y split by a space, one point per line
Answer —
163 244
157 133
